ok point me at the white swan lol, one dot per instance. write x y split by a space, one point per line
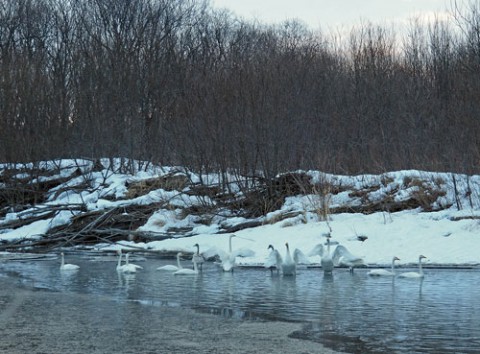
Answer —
341 256
274 260
228 258
326 258
68 267
197 257
127 263
289 267
186 271
171 267
418 274
119 263
125 268
384 272
289 264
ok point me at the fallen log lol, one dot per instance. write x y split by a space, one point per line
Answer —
238 227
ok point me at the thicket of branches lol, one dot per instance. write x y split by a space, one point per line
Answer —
176 82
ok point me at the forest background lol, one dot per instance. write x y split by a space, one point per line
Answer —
180 83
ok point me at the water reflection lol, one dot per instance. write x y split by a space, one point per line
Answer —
125 280
440 313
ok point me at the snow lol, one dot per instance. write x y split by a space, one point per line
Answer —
438 234
404 234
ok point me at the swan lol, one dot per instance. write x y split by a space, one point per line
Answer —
187 271
289 264
197 257
68 267
274 260
418 274
289 267
119 263
171 267
342 256
228 258
384 272
326 258
127 263
126 268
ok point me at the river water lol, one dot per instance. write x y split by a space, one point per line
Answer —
346 312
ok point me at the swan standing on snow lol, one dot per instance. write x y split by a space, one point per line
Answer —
171 267
186 271
326 258
125 268
68 267
197 257
228 258
384 272
418 274
342 256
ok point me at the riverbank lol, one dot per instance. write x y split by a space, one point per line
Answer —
79 204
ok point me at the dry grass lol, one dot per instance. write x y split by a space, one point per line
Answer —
168 183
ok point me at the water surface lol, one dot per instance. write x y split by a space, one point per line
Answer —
348 312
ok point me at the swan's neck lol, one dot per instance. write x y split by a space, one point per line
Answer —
126 259
198 250
393 266
63 260
119 259
420 269
288 256
178 262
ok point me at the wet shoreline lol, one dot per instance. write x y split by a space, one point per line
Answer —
39 321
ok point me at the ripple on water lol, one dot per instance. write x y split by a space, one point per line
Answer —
439 314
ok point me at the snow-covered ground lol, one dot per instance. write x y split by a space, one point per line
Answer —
404 234
447 236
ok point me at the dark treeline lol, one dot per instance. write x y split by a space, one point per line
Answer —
175 82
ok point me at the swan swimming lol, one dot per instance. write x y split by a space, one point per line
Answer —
326 258
127 263
289 267
289 263
197 257
187 271
119 263
68 267
125 268
418 274
342 256
171 267
228 258
384 272
274 260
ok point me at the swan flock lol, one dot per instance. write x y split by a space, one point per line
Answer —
286 264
